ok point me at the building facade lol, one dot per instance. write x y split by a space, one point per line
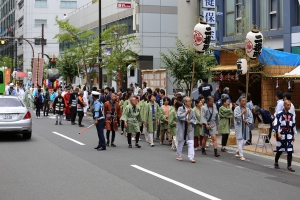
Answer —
154 22
29 17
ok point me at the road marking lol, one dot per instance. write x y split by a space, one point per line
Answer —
61 135
176 183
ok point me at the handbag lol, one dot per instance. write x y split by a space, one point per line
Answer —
206 131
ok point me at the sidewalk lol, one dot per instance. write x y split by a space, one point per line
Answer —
296 154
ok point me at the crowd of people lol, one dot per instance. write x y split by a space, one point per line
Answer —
179 121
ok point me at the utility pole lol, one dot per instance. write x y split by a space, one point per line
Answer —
42 42
16 54
100 50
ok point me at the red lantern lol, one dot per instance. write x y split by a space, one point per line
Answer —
253 43
202 36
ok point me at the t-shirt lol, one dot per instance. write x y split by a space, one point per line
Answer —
205 89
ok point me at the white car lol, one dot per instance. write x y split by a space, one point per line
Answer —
14 116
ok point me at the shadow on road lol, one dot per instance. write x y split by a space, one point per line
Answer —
12 137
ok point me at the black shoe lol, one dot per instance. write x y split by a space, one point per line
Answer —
276 166
73 123
101 149
290 169
56 123
107 143
97 147
130 146
60 123
137 145
223 150
112 145
80 125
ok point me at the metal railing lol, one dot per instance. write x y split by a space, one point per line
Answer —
80 8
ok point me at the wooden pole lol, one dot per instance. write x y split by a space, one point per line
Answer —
247 81
193 75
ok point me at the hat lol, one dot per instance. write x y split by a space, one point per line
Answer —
136 84
11 84
95 93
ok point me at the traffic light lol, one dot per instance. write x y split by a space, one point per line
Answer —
3 42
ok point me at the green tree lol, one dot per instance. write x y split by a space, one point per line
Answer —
80 40
122 54
6 61
179 64
67 65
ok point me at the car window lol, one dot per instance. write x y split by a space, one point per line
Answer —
10 102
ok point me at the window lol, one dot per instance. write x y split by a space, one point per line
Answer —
298 15
68 4
39 22
21 22
273 14
21 4
38 41
263 15
280 13
230 21
40 3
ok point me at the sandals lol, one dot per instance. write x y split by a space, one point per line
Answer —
179 159
243 159
290 169
223 149
192 161
276 166
130 146
237 154
137 145
122 132
217 155
174 149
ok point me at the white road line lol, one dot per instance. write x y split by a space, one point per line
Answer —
61 135
176 183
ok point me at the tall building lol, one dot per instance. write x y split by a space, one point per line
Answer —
154 22
7 25
29 17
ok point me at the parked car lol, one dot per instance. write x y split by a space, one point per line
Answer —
14 116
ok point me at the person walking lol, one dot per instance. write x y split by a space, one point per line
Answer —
185 129
225 114
38 101
151 118
285 129
164 123
46 102
68 106
80 106
98 116
73 105
85 100
112 112
131 117
173 123
210 122
59 105
142 105
198 137
242 120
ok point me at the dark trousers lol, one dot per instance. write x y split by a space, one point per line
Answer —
100 128
38 111
137 137
289 157
80 116
158 131
141 128
122 125
270 134
73 113
250 136
46 107
224 139
113 133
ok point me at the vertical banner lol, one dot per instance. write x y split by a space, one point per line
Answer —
37 72
7 73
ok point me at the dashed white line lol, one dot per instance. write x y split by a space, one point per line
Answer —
176 183
61 135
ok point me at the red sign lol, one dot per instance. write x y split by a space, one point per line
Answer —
123 5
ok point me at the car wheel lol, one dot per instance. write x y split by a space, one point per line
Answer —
27 135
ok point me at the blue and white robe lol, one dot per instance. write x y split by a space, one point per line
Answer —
285 124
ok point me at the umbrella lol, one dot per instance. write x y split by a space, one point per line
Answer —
22 74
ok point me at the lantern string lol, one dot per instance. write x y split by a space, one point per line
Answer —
277 83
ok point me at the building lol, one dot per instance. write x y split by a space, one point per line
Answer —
7 26
29 17
154 22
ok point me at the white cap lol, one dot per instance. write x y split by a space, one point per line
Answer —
95 93
11 84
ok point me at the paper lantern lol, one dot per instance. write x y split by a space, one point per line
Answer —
241 66
202 36
253 43
29 74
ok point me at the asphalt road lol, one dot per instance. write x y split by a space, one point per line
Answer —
50 166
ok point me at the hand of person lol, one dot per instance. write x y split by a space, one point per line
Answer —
293 139
188 122
245 121
96 122
230 105
200 123
279 136
125 124
157 122
207 127
167 120
145 124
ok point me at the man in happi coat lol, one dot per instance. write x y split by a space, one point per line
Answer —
67 109
185 129
132 117
112 112
285 130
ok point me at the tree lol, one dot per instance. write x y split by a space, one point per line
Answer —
67 66
179 64
122 54
6 61
80 40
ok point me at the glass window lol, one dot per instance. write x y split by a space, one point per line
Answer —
280 13
10 102
40 3
39 22
263 15
230 20
298 15
68 4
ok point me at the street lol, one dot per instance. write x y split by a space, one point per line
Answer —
58 163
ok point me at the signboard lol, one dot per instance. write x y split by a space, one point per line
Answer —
213 33
123 5
209 3
210 17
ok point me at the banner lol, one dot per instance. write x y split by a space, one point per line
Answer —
37 72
